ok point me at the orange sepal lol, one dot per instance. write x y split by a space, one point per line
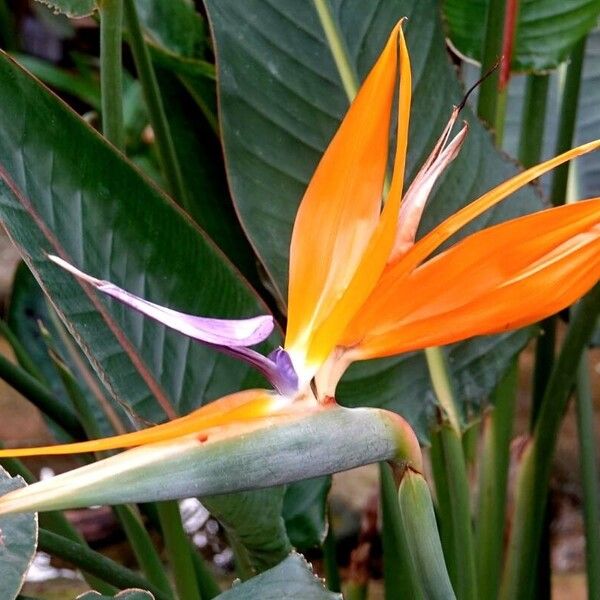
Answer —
504 277
340 244
240 407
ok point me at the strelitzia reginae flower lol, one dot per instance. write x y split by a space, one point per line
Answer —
360 286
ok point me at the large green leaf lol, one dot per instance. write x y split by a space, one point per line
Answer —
292 579
281 101
18 540
546 32
202 168
63 189
67 191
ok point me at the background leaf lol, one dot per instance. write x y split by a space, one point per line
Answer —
547 30
281 101
18 540
254 525
290 580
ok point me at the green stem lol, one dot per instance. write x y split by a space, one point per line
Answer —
178 550
589 470
143 547
545 348
443 505
568 117
493 477
338 48
418 523
40 397
460 509
111 71
20 353
206 582
533 119
400 579
93 562
491 51
158 118
8 30
500 116
330 563
534 475
442 385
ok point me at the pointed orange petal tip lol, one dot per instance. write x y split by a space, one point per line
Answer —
241 407
338 223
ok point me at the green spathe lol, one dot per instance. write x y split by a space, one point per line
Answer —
327 441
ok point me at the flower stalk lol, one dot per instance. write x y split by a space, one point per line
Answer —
584 403
111 74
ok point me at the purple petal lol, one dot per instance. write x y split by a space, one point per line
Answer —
277 368
217 332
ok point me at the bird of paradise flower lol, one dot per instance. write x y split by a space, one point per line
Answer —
361 286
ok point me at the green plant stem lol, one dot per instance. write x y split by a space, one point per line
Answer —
336 42
444 505
500 117
418 523
533 119
111 71
400 579
536 460
178 550
206 582
545 347
491 51
20 353
330 563
93 562
143 547
589 476
8 31
158 118
568 117
458 488
40 397
442 385
493 477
